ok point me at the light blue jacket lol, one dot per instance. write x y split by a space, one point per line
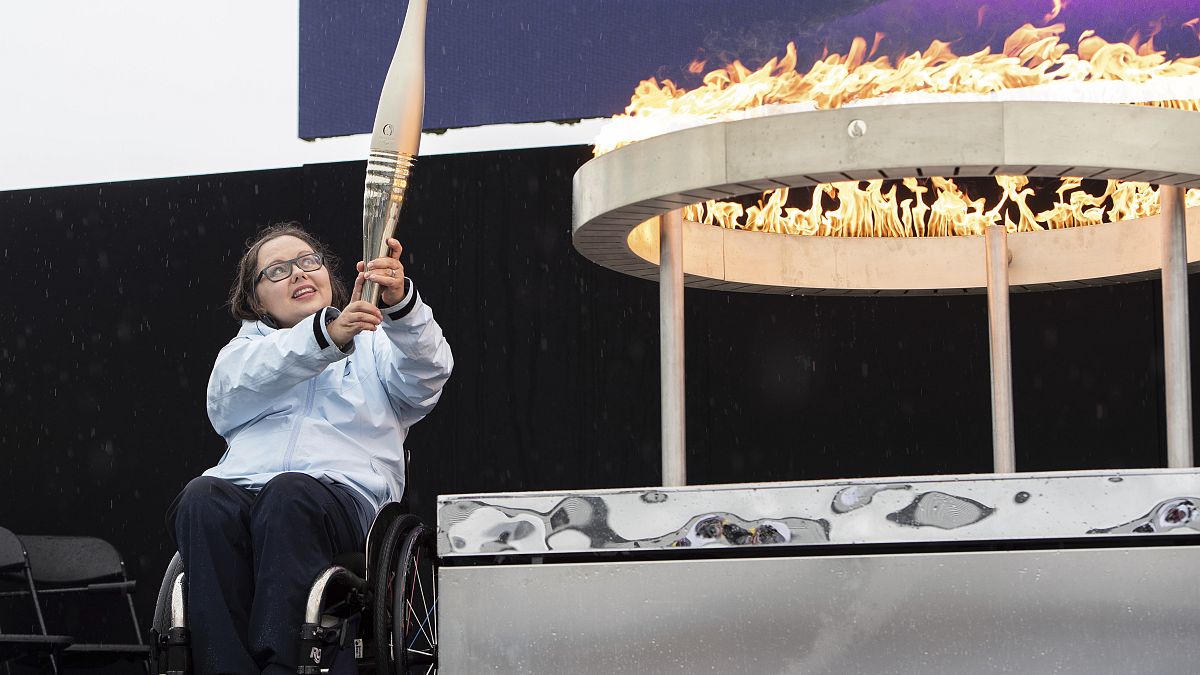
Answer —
290 400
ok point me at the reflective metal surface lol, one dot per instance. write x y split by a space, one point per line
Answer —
178 608
880 511
1091 612
316 594
383 197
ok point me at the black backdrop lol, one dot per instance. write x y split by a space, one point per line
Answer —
113 314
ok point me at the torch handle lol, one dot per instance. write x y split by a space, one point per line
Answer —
379 248
371 292
383 197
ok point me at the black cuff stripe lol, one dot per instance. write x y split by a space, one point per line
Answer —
318 321
405 308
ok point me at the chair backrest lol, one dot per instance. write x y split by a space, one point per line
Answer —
12 552
20 612
82 590
71 560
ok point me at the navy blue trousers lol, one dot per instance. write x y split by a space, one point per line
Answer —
250 559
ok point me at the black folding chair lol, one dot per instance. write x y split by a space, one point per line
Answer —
82 578
23 639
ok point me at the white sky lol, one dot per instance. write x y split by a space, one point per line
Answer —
95 91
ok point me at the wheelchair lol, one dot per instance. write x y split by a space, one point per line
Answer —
378 607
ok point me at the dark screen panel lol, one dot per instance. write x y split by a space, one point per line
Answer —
496 61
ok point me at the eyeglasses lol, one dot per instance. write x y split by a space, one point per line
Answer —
309 262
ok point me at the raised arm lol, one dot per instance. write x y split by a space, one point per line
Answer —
411 353
252 370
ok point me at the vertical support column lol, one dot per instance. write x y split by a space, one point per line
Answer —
1176 347
670 332
1003 435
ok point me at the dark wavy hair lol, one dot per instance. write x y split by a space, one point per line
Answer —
243 302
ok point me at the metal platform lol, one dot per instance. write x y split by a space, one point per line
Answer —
673 600
1091 612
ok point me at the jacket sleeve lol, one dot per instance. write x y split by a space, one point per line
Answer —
412 357
252 371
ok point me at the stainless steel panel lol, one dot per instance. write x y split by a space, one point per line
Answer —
879 510
1092 612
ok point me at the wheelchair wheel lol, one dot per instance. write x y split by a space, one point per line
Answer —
406 603
416 602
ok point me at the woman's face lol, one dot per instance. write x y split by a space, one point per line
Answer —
296 296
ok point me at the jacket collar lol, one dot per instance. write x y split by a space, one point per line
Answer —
253 328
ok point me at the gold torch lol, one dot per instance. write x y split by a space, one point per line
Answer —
395 139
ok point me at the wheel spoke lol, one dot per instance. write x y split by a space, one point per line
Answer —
420 628
428 614
432 634
411 615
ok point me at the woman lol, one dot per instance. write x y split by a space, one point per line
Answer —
314 404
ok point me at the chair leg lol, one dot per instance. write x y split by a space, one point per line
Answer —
137 632
7 666
37 606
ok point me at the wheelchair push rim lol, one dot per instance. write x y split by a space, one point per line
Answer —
405 602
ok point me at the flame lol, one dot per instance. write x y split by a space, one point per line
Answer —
1031 56
1059 5
932 207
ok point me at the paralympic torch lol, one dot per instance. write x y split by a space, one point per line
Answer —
395 139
